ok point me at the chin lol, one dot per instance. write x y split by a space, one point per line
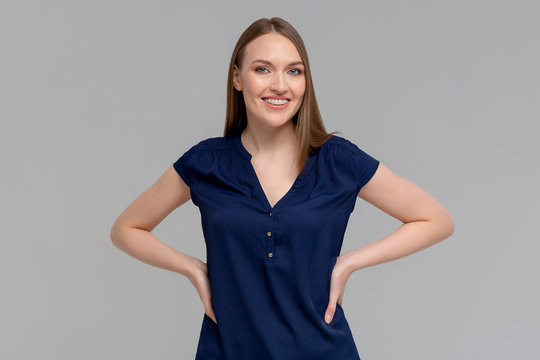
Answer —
278 122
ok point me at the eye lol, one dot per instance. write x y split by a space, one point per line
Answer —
298 71
260 67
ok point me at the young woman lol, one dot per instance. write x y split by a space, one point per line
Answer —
275 193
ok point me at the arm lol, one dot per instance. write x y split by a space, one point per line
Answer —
131 232
425 221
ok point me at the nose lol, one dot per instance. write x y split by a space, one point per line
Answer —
279 83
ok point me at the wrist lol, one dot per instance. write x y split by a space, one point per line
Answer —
186 266
347 264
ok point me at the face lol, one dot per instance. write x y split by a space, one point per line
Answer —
271 70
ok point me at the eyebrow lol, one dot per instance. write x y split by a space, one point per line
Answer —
269 63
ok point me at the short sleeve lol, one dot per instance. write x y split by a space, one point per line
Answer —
364 166
183 165
356 165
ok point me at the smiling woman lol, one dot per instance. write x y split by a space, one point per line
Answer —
275 193
272 93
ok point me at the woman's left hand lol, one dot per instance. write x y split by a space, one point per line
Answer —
337 288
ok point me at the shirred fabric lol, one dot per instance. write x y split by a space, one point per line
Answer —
270 267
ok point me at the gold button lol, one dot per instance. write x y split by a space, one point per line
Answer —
270 213
270 254
269 233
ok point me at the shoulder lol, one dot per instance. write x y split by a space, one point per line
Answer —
348 158
341 143
342 147
206 147
199 157
211 143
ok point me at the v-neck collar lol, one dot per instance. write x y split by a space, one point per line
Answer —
254 179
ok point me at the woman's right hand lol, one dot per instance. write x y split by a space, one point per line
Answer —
198 276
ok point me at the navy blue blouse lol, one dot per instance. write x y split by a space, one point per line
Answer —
270 267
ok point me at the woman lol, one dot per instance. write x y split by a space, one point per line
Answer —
275 194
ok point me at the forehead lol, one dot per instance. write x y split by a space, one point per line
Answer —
273 47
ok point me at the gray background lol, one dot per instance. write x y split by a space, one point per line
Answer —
98 98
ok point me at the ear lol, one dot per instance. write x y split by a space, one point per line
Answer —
236 79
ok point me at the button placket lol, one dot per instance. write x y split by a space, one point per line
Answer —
270 239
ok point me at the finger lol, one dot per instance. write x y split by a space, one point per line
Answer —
209 310
330 310
211 315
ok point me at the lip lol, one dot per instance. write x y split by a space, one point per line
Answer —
276 107
276 98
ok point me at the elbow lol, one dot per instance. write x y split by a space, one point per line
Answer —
450 229
114 235
443 225
447 226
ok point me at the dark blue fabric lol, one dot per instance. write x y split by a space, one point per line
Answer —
272 307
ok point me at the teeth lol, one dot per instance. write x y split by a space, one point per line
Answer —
276 102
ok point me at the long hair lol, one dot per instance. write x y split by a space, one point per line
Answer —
309 127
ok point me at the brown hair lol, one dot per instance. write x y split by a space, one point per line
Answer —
309 128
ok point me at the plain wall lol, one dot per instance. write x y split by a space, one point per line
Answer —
98 98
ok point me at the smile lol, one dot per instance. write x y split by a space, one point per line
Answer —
276 102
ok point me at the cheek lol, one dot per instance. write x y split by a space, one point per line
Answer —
299 90
300 96
254 85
